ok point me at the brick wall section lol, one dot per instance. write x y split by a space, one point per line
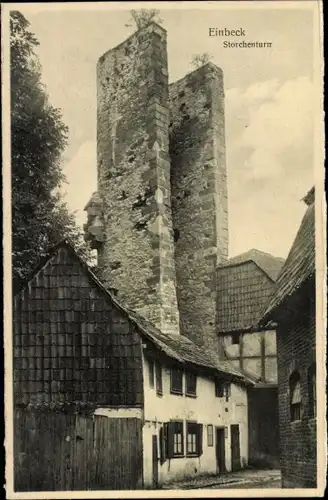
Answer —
296 350
70 344
137 256
199 197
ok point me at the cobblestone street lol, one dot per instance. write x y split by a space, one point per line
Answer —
250 478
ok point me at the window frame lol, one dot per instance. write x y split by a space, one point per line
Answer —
225 388
219 384
178 454
198 433
159 379
173 390
189 393
210 435
295 409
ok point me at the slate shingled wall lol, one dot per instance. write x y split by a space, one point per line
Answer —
71 346
199 197
137 257
242 292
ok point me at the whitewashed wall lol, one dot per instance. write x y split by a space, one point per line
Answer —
206 409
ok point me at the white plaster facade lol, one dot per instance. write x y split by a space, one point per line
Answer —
206 409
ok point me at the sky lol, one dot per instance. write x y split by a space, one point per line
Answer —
269 103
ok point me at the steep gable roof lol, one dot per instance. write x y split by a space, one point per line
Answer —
182 349
244 285
177 347
300 263
268 263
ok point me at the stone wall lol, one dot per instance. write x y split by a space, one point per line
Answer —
137 256
199 197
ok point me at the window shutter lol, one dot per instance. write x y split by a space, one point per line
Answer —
165 427
200 439
227 390
170 439
161 445
151 373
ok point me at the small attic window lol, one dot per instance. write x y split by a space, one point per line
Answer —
235 339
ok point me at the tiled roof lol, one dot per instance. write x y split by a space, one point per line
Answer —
268 263
177 347
182 349
300 263
309 197
244 285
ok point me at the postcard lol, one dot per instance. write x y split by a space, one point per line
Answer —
164 249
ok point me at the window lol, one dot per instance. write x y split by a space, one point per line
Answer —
191 438
151 373
222 389
219 388
175 439
159 381
295 396
194 438
235 338
172 439
210 435
176 380
191 384
312 391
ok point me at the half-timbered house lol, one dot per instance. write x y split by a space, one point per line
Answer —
244 285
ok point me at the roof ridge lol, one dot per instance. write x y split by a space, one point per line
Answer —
299 265
258 251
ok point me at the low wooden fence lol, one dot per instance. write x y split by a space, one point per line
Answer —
56 451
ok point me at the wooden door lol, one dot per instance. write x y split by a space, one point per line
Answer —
235 448
220 450
155 463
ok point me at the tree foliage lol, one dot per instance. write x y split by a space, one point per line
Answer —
38 138
199 60
144 17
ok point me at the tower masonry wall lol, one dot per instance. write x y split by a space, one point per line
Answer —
137 255
199 197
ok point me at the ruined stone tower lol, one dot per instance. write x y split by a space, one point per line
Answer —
154 140
132 223
199 197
